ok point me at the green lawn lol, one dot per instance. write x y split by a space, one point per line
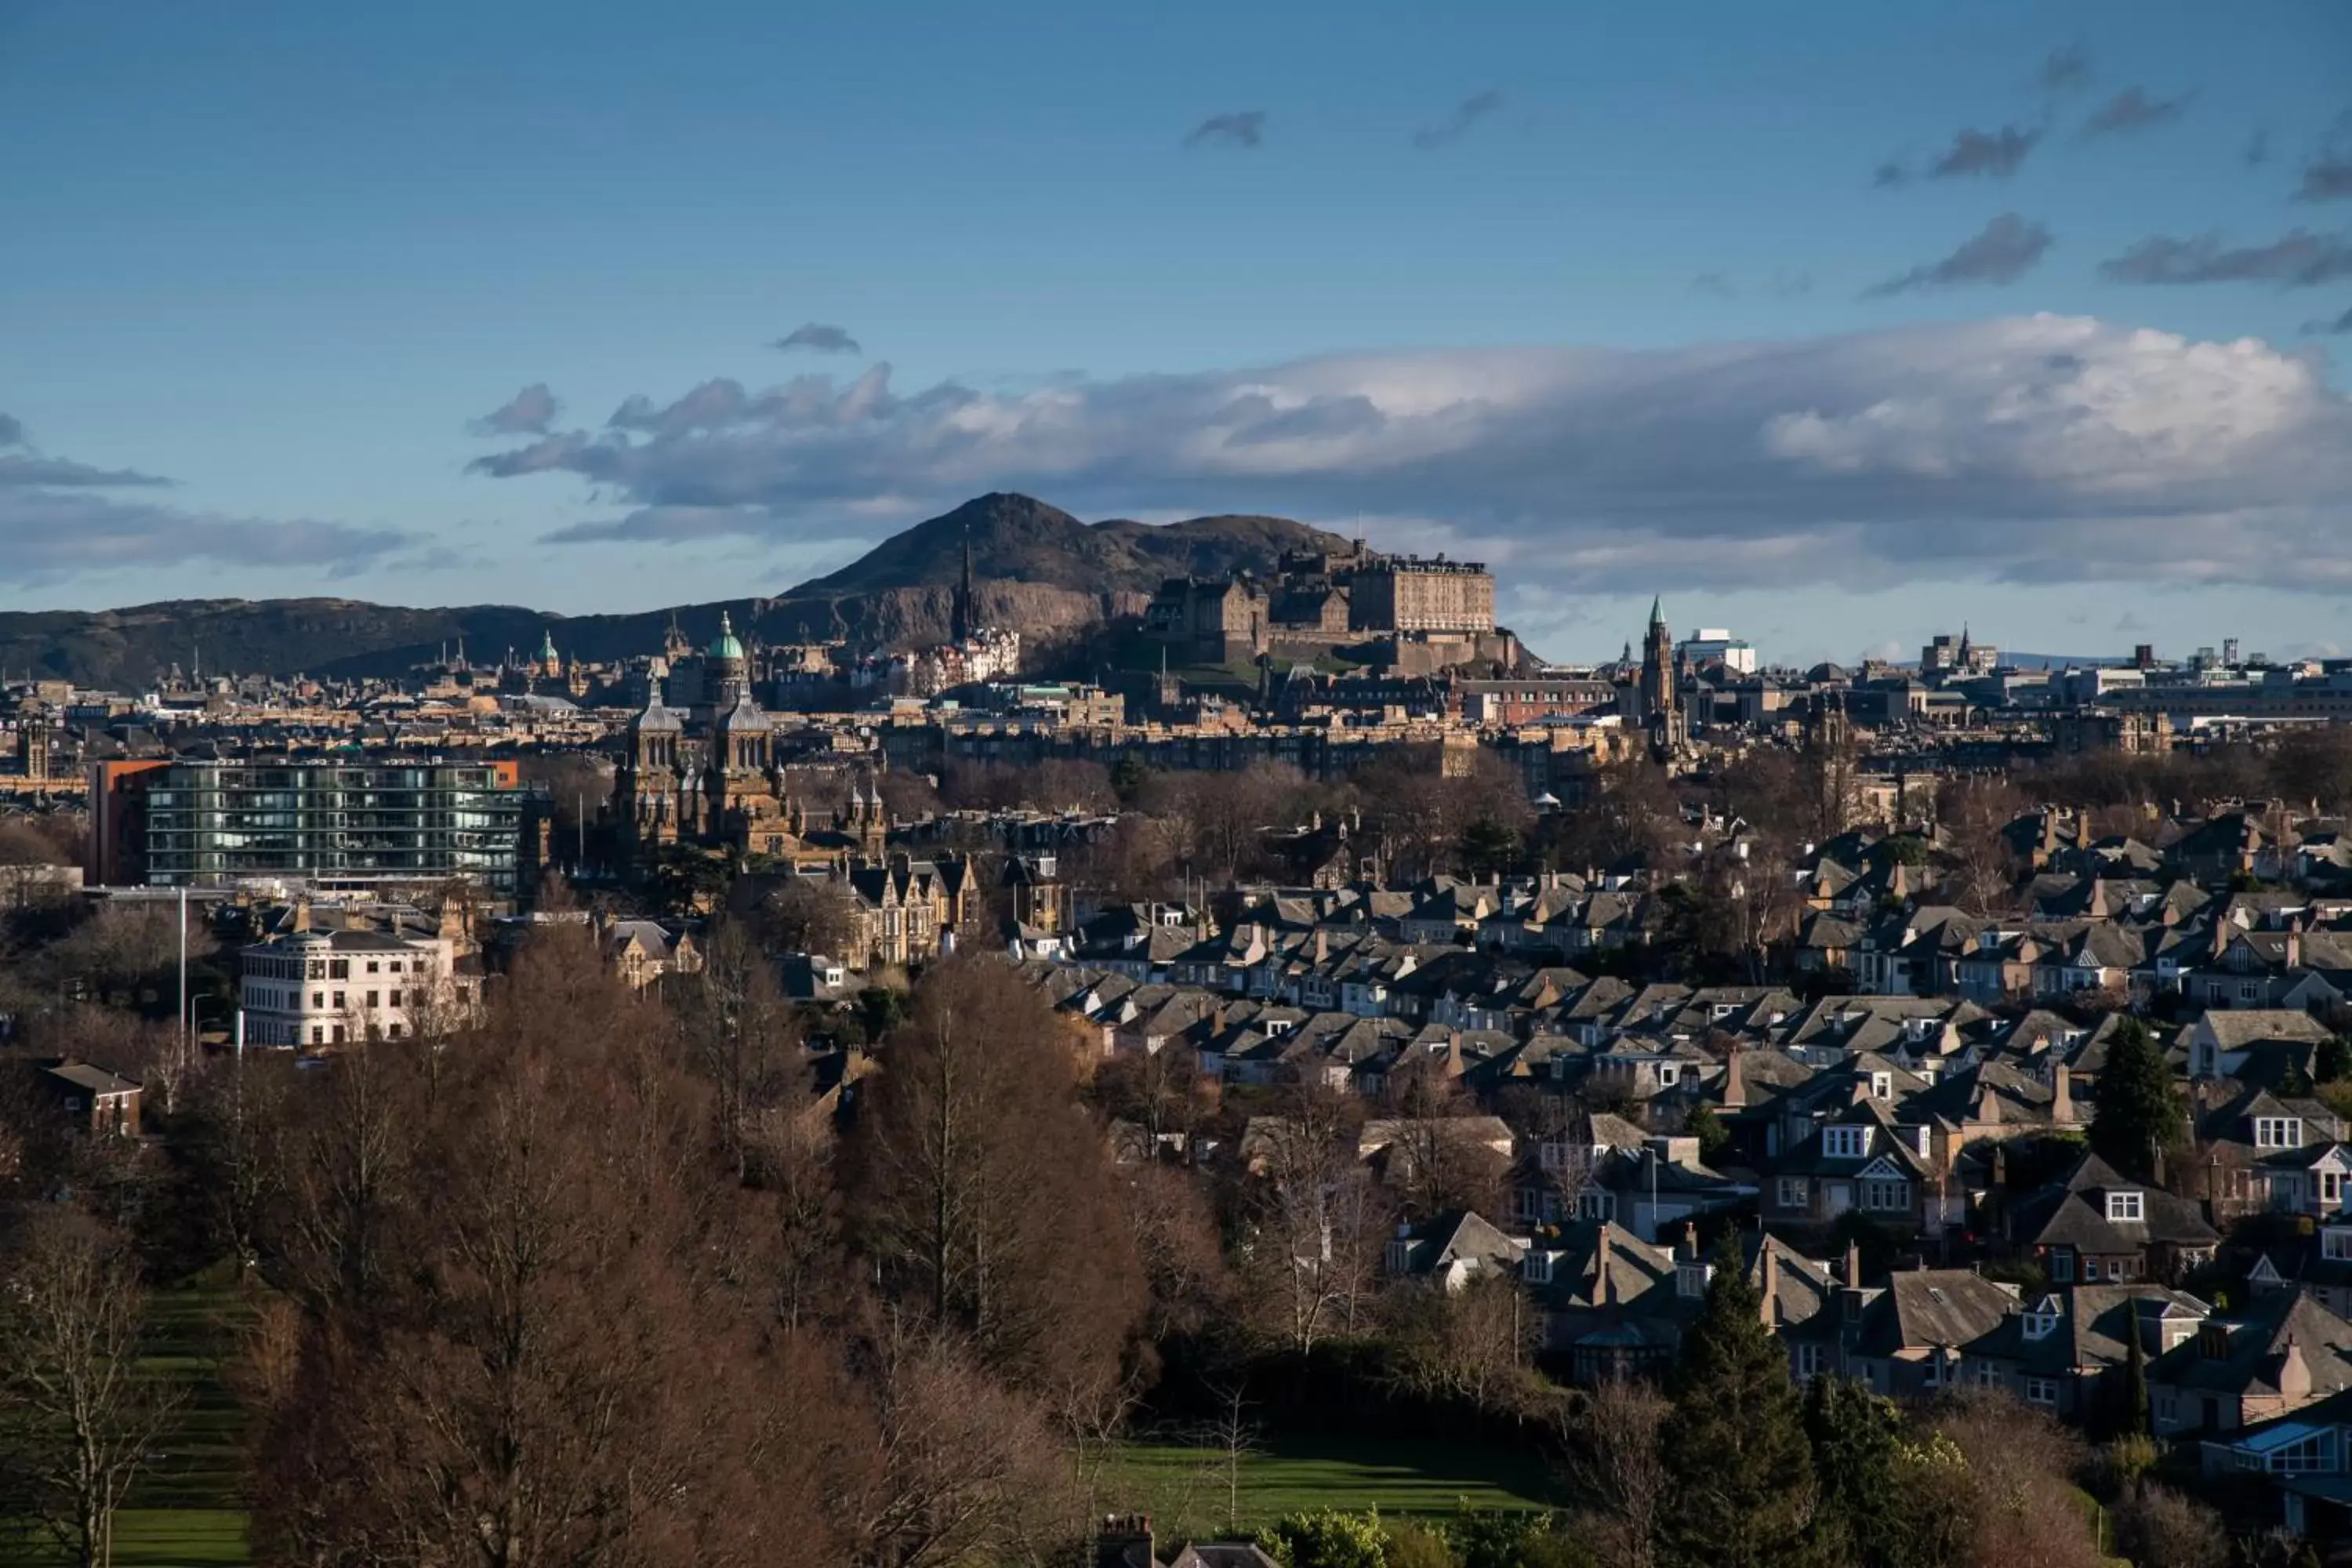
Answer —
188 1507
1183 1488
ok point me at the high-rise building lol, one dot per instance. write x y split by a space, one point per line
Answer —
332 823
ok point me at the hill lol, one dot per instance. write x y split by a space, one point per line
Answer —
1039 570
1018 539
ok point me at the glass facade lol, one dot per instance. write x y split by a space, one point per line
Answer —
208 822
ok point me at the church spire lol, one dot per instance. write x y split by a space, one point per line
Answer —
960 615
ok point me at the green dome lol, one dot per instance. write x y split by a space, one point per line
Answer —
728 646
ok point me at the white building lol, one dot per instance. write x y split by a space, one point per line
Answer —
1739 655
315 989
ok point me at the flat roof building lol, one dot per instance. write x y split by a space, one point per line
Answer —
334 823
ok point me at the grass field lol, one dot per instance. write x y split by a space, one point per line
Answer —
185 1510
1183 1487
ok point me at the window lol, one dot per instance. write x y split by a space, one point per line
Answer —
339 1036
1809 1360
339 969
2278 1132
1690 1279
2114 1268
375 998
2061 1265
371 966
1795 1193
2040 1325
1988 1374
1596 1205
2247 992
2124 1207
1887 1194
395 999
1882 1085
2331 1188
318 998
340 1003
1669 1074
2335 1244
1845 1143
1400 1256
1537 1270
317 1034
2042 1391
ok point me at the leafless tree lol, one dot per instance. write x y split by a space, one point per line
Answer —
1436 1160
1469 1344
983 1187
1610 1459
2157 1527
78 1418
1315 1224
1235 1436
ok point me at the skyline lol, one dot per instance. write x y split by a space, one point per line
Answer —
1834 338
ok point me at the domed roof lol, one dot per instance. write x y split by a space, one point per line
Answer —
728 646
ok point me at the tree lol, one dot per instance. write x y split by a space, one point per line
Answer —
1739 1469
2014 1469
1325 1538
2332 1061
79 1419
1713 1136
2139 1110
1471 1346
1857 1443
2157 1527
744 1037
1435 1159
1609 1436
545 1361
1314 1223
805 915
983 1190
1489 847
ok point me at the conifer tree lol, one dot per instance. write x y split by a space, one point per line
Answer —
2140 1103
1741 1473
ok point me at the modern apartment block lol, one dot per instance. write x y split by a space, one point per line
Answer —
352 824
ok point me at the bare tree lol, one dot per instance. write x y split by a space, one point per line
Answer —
1470 1344
1436 1160
1611 1460
78 1418
1316 1224
983 1188
1235 1436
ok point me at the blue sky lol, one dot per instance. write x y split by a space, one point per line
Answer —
1614 296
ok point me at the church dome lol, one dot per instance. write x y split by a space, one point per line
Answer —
728 644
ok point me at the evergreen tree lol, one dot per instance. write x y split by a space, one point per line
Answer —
1740 1473
2136 1414
2139 1109
1865 1468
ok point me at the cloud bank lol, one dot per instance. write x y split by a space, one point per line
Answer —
2036 448
60 523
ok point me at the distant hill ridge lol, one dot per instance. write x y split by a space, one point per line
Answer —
1038 570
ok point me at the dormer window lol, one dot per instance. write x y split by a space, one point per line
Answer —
1400 1259
2278 1132
1882 1085
2124 1207
1691 1280
1537 1268
2040 1324
2335 1244
1669 1074
1845 1143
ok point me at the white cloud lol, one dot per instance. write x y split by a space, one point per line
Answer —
2027 448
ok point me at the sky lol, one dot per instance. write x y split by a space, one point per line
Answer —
1835 324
